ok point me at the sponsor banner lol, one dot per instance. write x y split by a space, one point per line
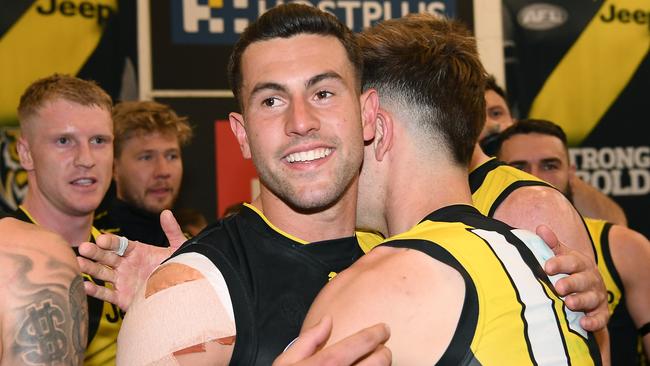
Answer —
222 21
584 65
617 171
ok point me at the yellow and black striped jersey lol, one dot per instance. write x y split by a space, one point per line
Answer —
626 345
368 239
104 318
492 181
510 315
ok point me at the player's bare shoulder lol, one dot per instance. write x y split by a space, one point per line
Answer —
43 309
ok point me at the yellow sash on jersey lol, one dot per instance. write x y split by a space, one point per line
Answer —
44 41
594 72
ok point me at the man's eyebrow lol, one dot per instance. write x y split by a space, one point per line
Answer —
519 162
552 160
281 88
320 77
267 86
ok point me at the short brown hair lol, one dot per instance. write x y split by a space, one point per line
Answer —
144 117
429 67
285 21
58 86
528 126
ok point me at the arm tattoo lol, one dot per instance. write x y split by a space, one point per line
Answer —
79 313
50 318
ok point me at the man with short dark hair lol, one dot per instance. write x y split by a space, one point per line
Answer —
296 74
497 115
300 80
539 147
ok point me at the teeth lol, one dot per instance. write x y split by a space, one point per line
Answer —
83 182
309 155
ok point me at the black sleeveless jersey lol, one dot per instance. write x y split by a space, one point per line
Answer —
272 278
121 218
626 345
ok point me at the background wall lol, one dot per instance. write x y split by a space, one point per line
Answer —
583 64
184 49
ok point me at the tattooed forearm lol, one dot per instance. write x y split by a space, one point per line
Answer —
48 312
79 313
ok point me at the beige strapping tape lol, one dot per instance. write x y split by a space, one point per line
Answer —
170 320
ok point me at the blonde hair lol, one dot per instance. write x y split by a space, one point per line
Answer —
59 86
144 117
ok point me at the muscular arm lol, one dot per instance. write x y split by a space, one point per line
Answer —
630 252
591 202
182 315
428 294
43 310
529 207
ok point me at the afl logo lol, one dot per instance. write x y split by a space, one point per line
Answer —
542 16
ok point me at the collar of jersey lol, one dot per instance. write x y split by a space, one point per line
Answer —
94 233
477 176
276 229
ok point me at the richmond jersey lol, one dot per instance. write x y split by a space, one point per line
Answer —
272 277
104 318
511 315
121 218
492 181
626 345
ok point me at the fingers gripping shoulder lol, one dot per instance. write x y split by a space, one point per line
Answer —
184 303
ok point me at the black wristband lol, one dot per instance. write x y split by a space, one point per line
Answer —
645 329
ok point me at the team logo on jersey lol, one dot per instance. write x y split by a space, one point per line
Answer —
222 21
542 16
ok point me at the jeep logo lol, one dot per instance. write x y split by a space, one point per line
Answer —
542 16
84 9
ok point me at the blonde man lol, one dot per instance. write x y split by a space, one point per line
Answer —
66 148
148 169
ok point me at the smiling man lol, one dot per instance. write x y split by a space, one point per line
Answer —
148 170
238 292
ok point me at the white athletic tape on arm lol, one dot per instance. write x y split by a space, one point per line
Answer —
211 273
170 320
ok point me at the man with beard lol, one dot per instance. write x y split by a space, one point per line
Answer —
539 147
587 199
147 170
296 73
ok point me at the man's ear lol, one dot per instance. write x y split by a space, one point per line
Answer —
383 133
369 106
237 127
25 154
